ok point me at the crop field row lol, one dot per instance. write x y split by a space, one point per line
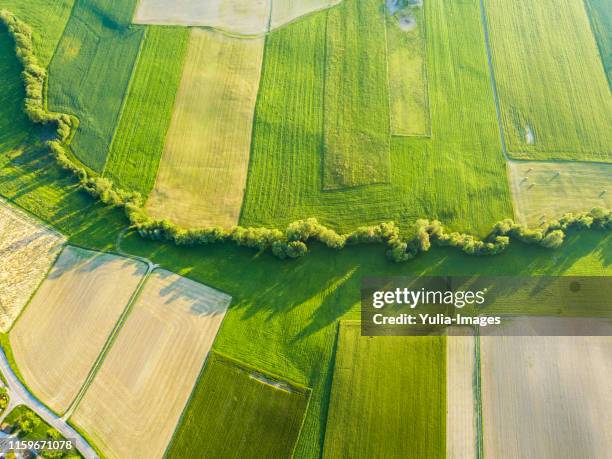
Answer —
61 332
236 411
144 383
554 96
255 17
458 175
27 251
356 97
138 142
600 15
388 396
546 190
204 165
407 56
90 73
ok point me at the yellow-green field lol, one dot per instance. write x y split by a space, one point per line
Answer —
554 95
545 190
202 174
61 332
285 11
407 55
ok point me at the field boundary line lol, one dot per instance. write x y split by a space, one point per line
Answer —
477 391
589 13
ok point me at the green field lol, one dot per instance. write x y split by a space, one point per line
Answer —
407 54
139 139
458 175
91 70
237 412
600 15
554 96
47 18
356 96
388 397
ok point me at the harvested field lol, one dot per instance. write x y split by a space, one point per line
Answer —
547 190
27 251
60 334
461 428
356 127
550 80
139 392
388 396
202 174
407 55
546 396
239 411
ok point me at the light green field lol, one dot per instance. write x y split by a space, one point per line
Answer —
285 11
388 397
236 411
547 190
457 176
407 54
554 97
203 170
47 18
139 139
600 15
90 73
356 120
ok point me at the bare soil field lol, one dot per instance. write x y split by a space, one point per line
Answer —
546 396
460 403
544 189
139 393
27 251
253 17
202 174
60 334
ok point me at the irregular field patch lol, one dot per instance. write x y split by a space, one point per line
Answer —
27 251
138 142
202 174
285 11
461 428
407 55
600 15
90 73
458 175
554 96
388 396
546 190
356 141
61 332
139 392
238 411
546 396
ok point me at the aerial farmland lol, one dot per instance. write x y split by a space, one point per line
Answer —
194 195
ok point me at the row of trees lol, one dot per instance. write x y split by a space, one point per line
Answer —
290 243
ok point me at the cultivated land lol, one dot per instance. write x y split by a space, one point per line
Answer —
388 396
601 22
139 392
554 96
546 396
61 332
407 55
236 16
90 73
139 139
461 418
458 176
356 92
285 11
203 170
238 411
47 18
547 190
27 251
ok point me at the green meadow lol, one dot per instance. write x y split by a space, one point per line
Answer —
139 139
600 15
90 72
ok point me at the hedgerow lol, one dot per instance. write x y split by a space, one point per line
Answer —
292 242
